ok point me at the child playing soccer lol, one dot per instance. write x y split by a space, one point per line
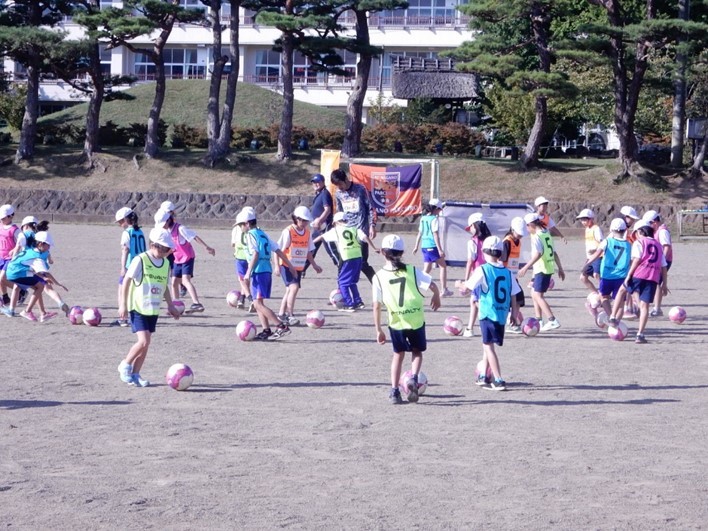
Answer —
132 243
429 239
8 239
143 288
593 238
475 258
510 257
544 261
296 242
647 269
259 274
541 204
497 291
239 243
398 287
615 253
663 236
348 240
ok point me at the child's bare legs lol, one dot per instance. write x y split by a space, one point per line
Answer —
138 352
265 314
36 295
4 285
643 316
427 267
585 279
245 287
287 305
490 356
474 310
540 305
54 295
657 300
443 273
416 362
618 306
191 288
396 364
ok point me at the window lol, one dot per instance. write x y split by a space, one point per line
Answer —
105 60
179 63
303 73
422 13
267 66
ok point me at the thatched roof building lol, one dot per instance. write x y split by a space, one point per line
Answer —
415 78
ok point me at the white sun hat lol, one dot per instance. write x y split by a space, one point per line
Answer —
393 242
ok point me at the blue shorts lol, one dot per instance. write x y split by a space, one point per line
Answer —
492 332
241 267
610 286
645 288
3 263
431 255
408 340
593 268
142 323
261 285
27 282
288 277
541 282
180 270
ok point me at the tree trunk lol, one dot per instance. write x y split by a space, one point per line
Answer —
95 102
25 148
286 123
678 121
213 118
355 104
530 157
697 168
227 114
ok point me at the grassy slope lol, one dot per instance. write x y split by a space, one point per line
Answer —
185 103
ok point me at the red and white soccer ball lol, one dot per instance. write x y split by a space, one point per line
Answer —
335 297
406 376
315 319
530 326
677 315
453 326
179 305
179 377
488 377
92 317
76 315
601 320
232 298
619 332
246 330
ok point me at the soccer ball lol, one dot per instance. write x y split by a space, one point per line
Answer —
488 377
92 317
315 319
232 298
179 377
422 382
530 326
601 319
335 297
677 315
619 332
246 330
179 305
594 300
453 326
76 315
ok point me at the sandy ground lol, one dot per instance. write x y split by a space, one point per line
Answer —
298 433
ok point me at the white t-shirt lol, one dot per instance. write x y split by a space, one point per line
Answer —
235 235
663 236
125 239
422 280
185 234
471 250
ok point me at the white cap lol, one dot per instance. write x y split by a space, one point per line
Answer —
586 213
650 215
474 218
6 210
629 212
519 226
241 217
161 237
44 237
493 243
29 219
540 200
167 205
339 216
436 203
302 212
531 217
393 242
618 225
640 225
161 217
123 213
249 214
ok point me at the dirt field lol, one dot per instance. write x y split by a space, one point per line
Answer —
298 433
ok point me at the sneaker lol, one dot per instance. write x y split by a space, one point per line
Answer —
115 323
640 340
360 306
7 311
241 302
47 316
5 299
281 331
65 308
23 296
344 308
550 325
497 385
182 292
292 321
28 315
514 329
656 313
481 380
139 382
124 323
125 370
194 308
447 293
262 336
412 390
283 318
468 332
613 321
395 397
251 307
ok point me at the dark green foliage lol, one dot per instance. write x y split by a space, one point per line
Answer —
457 139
